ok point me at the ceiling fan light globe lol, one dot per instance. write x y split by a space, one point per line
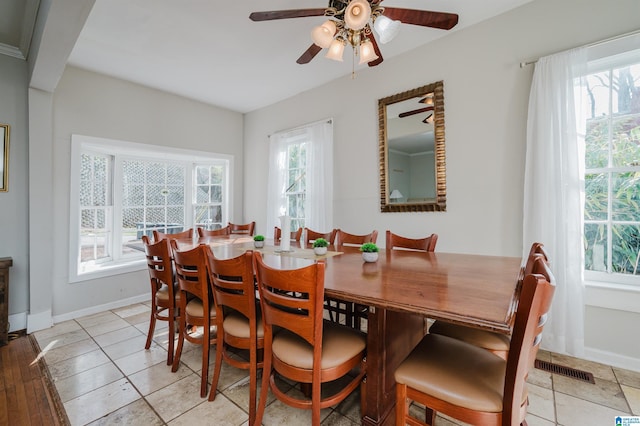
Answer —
322 35
336 50
357 14
367 52
386 29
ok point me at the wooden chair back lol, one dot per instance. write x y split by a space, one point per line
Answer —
245 229
421 244
213 232
196 305
344 238
292 299
191 271
163 294
533 307
184 235
277 234
311 236
233 287
159 263
537 249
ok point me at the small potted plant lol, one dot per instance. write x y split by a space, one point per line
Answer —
369 252
258 241
320 246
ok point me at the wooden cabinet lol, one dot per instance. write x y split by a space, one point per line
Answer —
5 264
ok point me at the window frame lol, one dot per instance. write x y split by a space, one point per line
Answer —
608 57
120 150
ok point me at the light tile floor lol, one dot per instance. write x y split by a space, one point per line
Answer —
104 376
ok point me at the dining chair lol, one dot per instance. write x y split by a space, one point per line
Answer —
354 314
311 236
305 349
470 384
245 229
165 297
184 235
421 244
239 319
344 238
277 234
497 343
213 232
196 305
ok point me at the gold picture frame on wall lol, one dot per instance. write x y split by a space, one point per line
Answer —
4 157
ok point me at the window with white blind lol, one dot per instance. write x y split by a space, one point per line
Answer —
121 191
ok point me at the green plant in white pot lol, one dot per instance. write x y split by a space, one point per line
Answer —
258 241
369 252
320 246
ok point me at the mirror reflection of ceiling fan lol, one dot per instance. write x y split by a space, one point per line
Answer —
351 21
427 100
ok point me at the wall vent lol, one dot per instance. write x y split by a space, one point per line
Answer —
564 371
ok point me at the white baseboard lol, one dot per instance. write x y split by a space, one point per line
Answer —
613 359
39 321
17 322
101 308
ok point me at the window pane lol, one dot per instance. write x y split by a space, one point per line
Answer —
626 140
156 195
216 194
175 215
596 196
202 194
133 195
202 175
175 196
626 193
595 254
597 143
133 171
598 85
132 217
216 174
626 248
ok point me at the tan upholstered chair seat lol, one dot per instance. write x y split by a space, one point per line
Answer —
194 308
339 344
456 372
162 295
482 338
237 325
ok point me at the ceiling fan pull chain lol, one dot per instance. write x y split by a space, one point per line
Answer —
353 64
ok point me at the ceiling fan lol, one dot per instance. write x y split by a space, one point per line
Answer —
351 21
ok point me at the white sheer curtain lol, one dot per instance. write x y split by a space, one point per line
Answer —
554 190
319 175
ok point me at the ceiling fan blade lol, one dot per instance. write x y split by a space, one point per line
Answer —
377 50
415 111
425 18
309 54
285 14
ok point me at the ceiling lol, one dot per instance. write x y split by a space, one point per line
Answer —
212 52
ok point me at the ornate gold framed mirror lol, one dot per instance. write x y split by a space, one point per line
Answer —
412 150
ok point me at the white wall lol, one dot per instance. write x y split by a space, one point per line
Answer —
95 105
486 95
14 228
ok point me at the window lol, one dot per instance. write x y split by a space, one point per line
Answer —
296 192
125 191
300 181
612 168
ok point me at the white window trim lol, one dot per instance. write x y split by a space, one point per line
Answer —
79 143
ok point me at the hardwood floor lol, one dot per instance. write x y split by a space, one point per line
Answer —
25 396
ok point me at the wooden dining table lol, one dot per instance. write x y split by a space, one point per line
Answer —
400 290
